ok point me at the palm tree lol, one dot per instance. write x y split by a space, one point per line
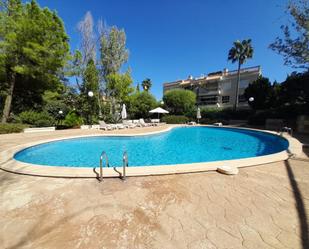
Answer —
240 53
146 84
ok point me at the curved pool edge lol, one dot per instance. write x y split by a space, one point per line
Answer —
8 163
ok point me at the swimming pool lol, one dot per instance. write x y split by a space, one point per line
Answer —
180 145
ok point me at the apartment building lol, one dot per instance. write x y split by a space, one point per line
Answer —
218 89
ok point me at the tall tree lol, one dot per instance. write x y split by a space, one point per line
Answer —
120 86
88 39
113 50
295 90
33 45
262 92
90 84
240 53
294 46
146 84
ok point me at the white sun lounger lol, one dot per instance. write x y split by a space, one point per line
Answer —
106 127
129 124
143 123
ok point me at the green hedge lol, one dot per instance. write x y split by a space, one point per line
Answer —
288 113
225 114
11 128
175 119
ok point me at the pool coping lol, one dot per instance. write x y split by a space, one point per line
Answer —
8 163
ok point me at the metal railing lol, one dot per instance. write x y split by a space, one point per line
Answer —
103 155
125 163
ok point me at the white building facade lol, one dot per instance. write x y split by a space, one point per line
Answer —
218 89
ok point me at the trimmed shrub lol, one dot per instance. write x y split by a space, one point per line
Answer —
38 119
140 104
11 128
179 101
175 119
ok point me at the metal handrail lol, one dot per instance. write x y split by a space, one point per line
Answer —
103 154
125 164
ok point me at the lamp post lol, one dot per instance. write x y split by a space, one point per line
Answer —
219 98
90 95
60 112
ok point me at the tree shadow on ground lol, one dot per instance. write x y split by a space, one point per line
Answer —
300 206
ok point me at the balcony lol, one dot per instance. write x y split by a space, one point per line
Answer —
208 100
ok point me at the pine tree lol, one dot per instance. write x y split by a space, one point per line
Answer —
33 45
113 50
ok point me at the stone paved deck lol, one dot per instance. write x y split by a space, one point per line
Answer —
262 207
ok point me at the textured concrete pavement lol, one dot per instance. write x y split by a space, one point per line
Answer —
264 206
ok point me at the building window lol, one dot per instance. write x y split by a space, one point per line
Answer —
225 99
225 86
242 98
208 100
244 83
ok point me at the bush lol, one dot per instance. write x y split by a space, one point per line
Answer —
53 108
140 104
11 128
72 120
38 119
179 101
175 119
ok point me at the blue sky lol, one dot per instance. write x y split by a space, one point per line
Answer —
171 39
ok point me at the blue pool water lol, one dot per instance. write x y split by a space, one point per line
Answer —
178 146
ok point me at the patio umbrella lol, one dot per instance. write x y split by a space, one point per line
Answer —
198 114
124 112
158 110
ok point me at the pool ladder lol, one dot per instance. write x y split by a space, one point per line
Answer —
125 163
103 155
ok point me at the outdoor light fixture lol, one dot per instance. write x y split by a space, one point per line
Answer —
90 93
251 99
60 112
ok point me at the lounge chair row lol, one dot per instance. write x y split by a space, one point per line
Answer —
129 124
